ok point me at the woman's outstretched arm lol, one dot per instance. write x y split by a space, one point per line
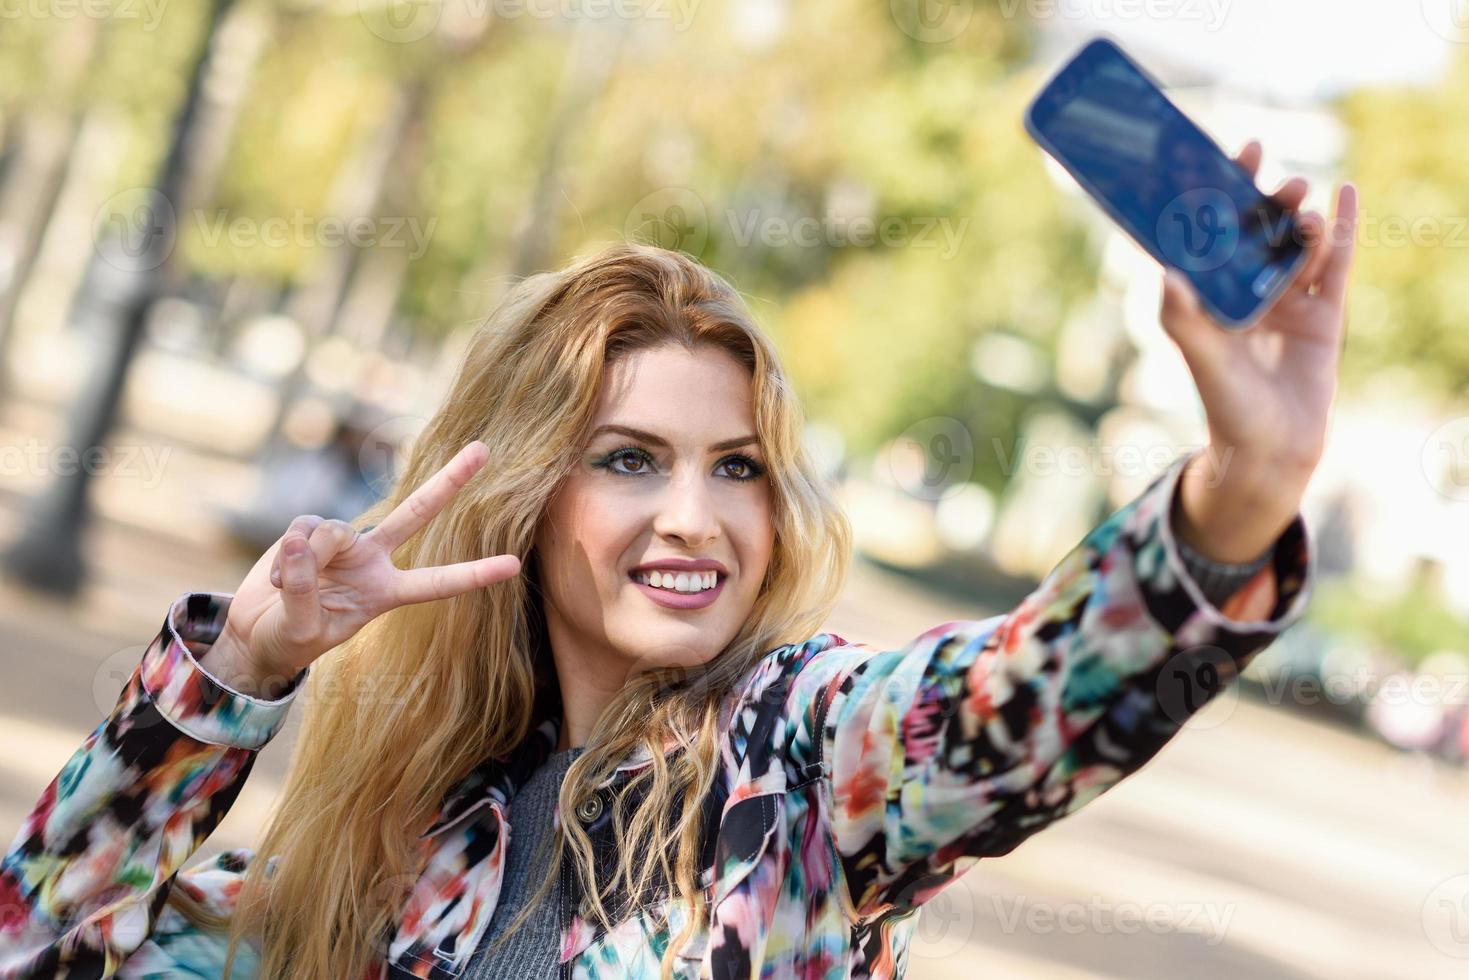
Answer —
85 879
978 734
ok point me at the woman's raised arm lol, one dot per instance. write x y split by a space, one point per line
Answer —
978 734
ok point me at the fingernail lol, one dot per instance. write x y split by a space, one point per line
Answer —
295 547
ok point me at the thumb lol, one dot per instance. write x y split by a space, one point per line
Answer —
1183 318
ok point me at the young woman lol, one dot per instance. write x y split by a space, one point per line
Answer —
634 754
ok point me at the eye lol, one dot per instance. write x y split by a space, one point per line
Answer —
752 469
636 460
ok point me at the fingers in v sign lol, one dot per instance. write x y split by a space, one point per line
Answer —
324 580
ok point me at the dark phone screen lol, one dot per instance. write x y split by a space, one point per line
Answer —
1168 184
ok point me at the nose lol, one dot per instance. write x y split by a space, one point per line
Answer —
687 512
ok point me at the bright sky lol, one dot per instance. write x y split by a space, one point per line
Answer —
1292 49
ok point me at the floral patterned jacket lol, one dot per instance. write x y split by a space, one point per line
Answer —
856 782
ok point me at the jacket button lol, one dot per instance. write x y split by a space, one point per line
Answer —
589 809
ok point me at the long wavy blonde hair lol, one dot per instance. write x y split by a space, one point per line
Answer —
395 716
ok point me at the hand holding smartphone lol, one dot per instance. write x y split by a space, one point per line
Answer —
1166 183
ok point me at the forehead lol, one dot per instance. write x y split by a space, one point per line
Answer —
669 390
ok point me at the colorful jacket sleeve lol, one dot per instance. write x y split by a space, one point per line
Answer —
82 886
977 734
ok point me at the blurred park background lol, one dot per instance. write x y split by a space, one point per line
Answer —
242 243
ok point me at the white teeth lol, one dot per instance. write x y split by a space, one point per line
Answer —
680 582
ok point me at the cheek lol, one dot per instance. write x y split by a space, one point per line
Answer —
587 535
755 533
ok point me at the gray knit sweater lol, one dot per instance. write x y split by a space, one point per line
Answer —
531 954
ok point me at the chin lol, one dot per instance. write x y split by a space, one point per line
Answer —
674 648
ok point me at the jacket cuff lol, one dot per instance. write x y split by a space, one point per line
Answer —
1176 601
196 702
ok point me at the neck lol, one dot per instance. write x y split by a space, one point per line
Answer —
588 684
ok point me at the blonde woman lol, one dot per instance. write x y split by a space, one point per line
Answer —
569 712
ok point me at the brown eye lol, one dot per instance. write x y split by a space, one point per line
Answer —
751 471
625 458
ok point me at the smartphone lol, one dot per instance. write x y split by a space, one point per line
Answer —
1168 184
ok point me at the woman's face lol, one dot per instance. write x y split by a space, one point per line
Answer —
672 474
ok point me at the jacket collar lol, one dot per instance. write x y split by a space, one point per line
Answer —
495 780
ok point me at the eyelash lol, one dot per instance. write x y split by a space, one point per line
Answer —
621 452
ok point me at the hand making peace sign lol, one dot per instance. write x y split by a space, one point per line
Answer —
324 580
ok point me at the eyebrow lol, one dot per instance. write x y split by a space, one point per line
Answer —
651 439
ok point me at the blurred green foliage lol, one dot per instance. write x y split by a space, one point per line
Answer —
1411 288
836 110
1412 626
764 128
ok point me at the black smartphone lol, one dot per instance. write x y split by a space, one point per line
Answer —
1167 183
